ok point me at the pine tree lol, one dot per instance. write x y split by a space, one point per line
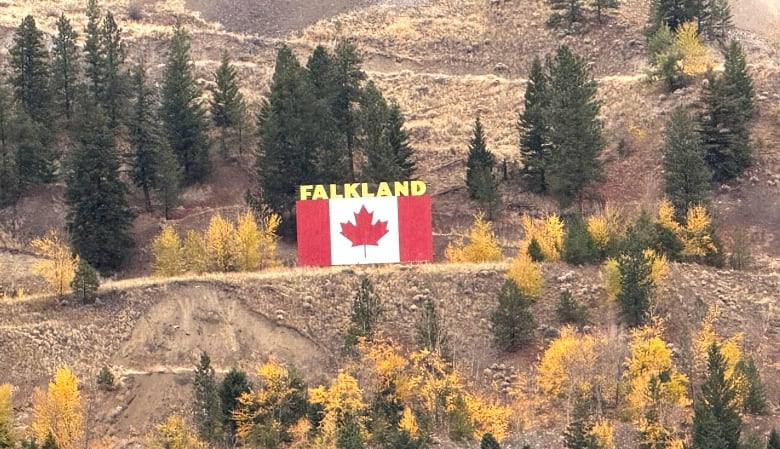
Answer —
114 80
99 217
670 13
431 332
206 405
182 113
286 146
168 179
724 123
348 77
686 175
751 389
513 324
35 157
233 385
388 155
716 421
30 76
488 441
571 11
366 312
575 133
227 103
773 442
533 127
348 435
636 286
481 183
65 67
85 282
10 187
601 5
93 51
578 436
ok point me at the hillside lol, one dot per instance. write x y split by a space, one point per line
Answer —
443 61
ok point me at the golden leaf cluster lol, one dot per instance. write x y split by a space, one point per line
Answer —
526 274
174 433
604 433
696 58
566 365
6 408
695 234
605 225
223 246
730 347
482 247
547 231
58 411
612 278
58 265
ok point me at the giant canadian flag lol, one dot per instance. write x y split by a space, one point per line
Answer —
360 225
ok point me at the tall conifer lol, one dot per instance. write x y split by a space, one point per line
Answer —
227 103
480 181
65 67
686 175
30 78
182 113
532 124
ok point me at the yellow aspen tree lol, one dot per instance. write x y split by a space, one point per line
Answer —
387 367
343 397
222 245
526 274
268 239
548 233
695 236
606 225
482 247
58 411
604 433
174 433
566 370
436 381
58 266
249 237
696 58
488 416
730 347
168 253
409 423
7 437
599 231
659 266
666 216
612 278
194 253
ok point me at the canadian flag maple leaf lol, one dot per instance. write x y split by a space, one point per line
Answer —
364 232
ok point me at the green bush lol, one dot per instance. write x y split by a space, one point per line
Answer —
535 250
105 379
578 245
570 311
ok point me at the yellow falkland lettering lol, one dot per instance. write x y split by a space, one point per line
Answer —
334 193
401 188
364 192
350 190
305 192
320 193
383 190
418 188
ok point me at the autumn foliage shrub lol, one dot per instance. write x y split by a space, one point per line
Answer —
57 265
548 233
482 246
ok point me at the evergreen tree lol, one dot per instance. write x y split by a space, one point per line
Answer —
716 421
750 386
85 282
93 51
233 385
9 175
167 180
348 77
636 286
113 94
227 104
724 123
182 113
513 323
578 436
481 183
721 19
686 175
578 245
366 311
533 128
99 217
569 311
30 76
348 435
773 442
600 5
146 140
575 133
431 332
571 11
670 13
49 442
287 143
488 441
206 405
65 67
385 143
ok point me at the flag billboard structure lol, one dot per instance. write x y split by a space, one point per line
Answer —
360 223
